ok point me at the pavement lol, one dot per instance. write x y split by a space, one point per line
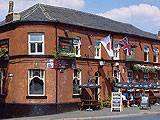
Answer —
98 114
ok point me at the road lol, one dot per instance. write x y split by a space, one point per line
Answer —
144 117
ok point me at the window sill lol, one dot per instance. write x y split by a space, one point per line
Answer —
97 57
77 55
35 53
76 95
36 97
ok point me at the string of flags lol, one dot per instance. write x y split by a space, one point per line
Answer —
107 43
125 45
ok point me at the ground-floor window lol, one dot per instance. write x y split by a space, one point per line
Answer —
97 90
1 82
116 75
130 76
36 82
76 81
155 78
146 77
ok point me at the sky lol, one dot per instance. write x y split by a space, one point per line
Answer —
144 14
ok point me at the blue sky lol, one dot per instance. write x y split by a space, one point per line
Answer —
144 14
97 6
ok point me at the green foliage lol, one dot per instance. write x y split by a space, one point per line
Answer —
56 54
3 52
106 103
145 69
63 52
102 104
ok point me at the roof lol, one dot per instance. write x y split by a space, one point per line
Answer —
47 13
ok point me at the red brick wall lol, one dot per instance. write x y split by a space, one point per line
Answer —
18 84
18 45
18 41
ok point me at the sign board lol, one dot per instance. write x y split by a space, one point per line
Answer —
144 99
116 102
50 63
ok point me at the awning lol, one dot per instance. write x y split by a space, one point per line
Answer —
137 85
123 85
89 85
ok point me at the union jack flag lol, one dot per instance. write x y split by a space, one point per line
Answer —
125 45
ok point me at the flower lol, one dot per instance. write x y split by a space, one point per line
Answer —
146 68
3 52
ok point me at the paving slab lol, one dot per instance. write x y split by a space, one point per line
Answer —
98 114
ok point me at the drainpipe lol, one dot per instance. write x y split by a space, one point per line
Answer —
112 62
56 72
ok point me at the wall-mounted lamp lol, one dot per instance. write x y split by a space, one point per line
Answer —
66 33
101 63
10 75
62 69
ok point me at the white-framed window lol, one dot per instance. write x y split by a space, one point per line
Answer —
36 82
98 50
146 51
77 46
1 82
116 51
146 77
76 81
36 43
130 76
155 55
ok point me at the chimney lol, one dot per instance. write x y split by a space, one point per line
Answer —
11 16
11 5
158 35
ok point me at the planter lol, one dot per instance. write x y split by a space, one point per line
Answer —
4 58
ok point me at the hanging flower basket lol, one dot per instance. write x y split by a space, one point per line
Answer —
4 54
146 69
136 67
153 70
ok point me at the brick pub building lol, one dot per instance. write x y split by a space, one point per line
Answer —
50 51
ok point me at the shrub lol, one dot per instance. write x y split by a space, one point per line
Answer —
106 103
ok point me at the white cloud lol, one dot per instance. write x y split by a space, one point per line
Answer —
20 5
76 4
144 16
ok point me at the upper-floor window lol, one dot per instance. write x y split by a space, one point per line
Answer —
98 50
76 81
36 82
116 51
1 82
36 43
155 55
146 51
77 46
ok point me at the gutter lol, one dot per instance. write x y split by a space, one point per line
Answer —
19 22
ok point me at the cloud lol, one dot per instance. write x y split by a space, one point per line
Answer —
76 4
20 5
143 16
